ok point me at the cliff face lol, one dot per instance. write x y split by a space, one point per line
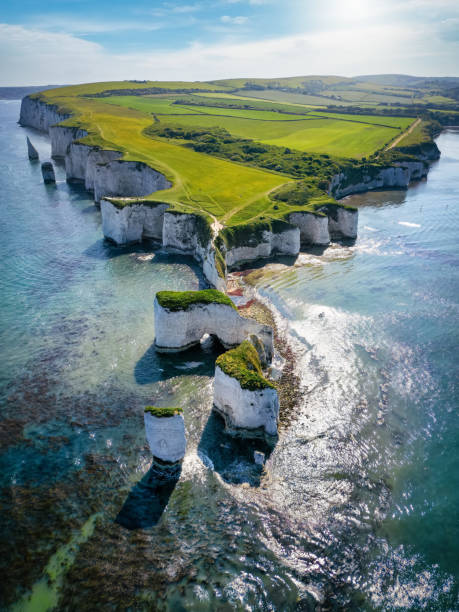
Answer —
286 242
97 156
121 178
243 408
76 159
132 223
37 114
61 137
342 222
313 228
397 176
179 330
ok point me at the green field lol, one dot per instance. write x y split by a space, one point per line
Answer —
270 144
331 136
344 135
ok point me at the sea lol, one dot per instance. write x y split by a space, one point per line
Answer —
357 507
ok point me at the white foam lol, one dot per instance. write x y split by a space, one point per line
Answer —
408 224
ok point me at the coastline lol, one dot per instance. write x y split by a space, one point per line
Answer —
306 473
119 186
177 228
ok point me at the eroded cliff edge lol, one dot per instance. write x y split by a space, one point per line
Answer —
119 186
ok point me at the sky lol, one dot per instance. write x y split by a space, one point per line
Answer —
80 41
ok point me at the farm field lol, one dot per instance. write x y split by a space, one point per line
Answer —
233 187
294 98
161 106
317 135
330 133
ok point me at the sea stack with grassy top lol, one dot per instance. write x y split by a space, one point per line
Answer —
165 432
242 395
182 318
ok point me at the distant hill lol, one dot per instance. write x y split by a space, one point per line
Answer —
17 93
405 80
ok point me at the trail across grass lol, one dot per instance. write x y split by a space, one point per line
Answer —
229 190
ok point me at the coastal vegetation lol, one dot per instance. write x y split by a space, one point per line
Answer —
182 300
243 364
162 411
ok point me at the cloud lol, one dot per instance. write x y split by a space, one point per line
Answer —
32 56
169 8
239 20
78 26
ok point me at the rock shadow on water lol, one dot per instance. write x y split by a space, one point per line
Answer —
147 500
232 457
286 260
107 249
196 361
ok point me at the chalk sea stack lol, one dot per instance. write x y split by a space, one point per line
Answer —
182 318
47 171
242 395
31 150
165 432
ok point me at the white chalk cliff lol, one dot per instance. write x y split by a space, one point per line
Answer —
61 137
132 223
166 437
104 173
243 408
39 115
313 227
399 176
120 178
286 242
180 330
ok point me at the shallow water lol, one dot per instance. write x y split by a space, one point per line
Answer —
358 508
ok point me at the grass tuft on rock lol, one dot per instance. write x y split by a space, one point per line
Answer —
243 364
163 412
182 300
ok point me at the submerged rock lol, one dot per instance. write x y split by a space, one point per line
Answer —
165 432
31 150
47 171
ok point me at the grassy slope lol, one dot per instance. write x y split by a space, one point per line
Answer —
232 192
200 182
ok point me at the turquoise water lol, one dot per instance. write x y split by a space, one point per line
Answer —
359 506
